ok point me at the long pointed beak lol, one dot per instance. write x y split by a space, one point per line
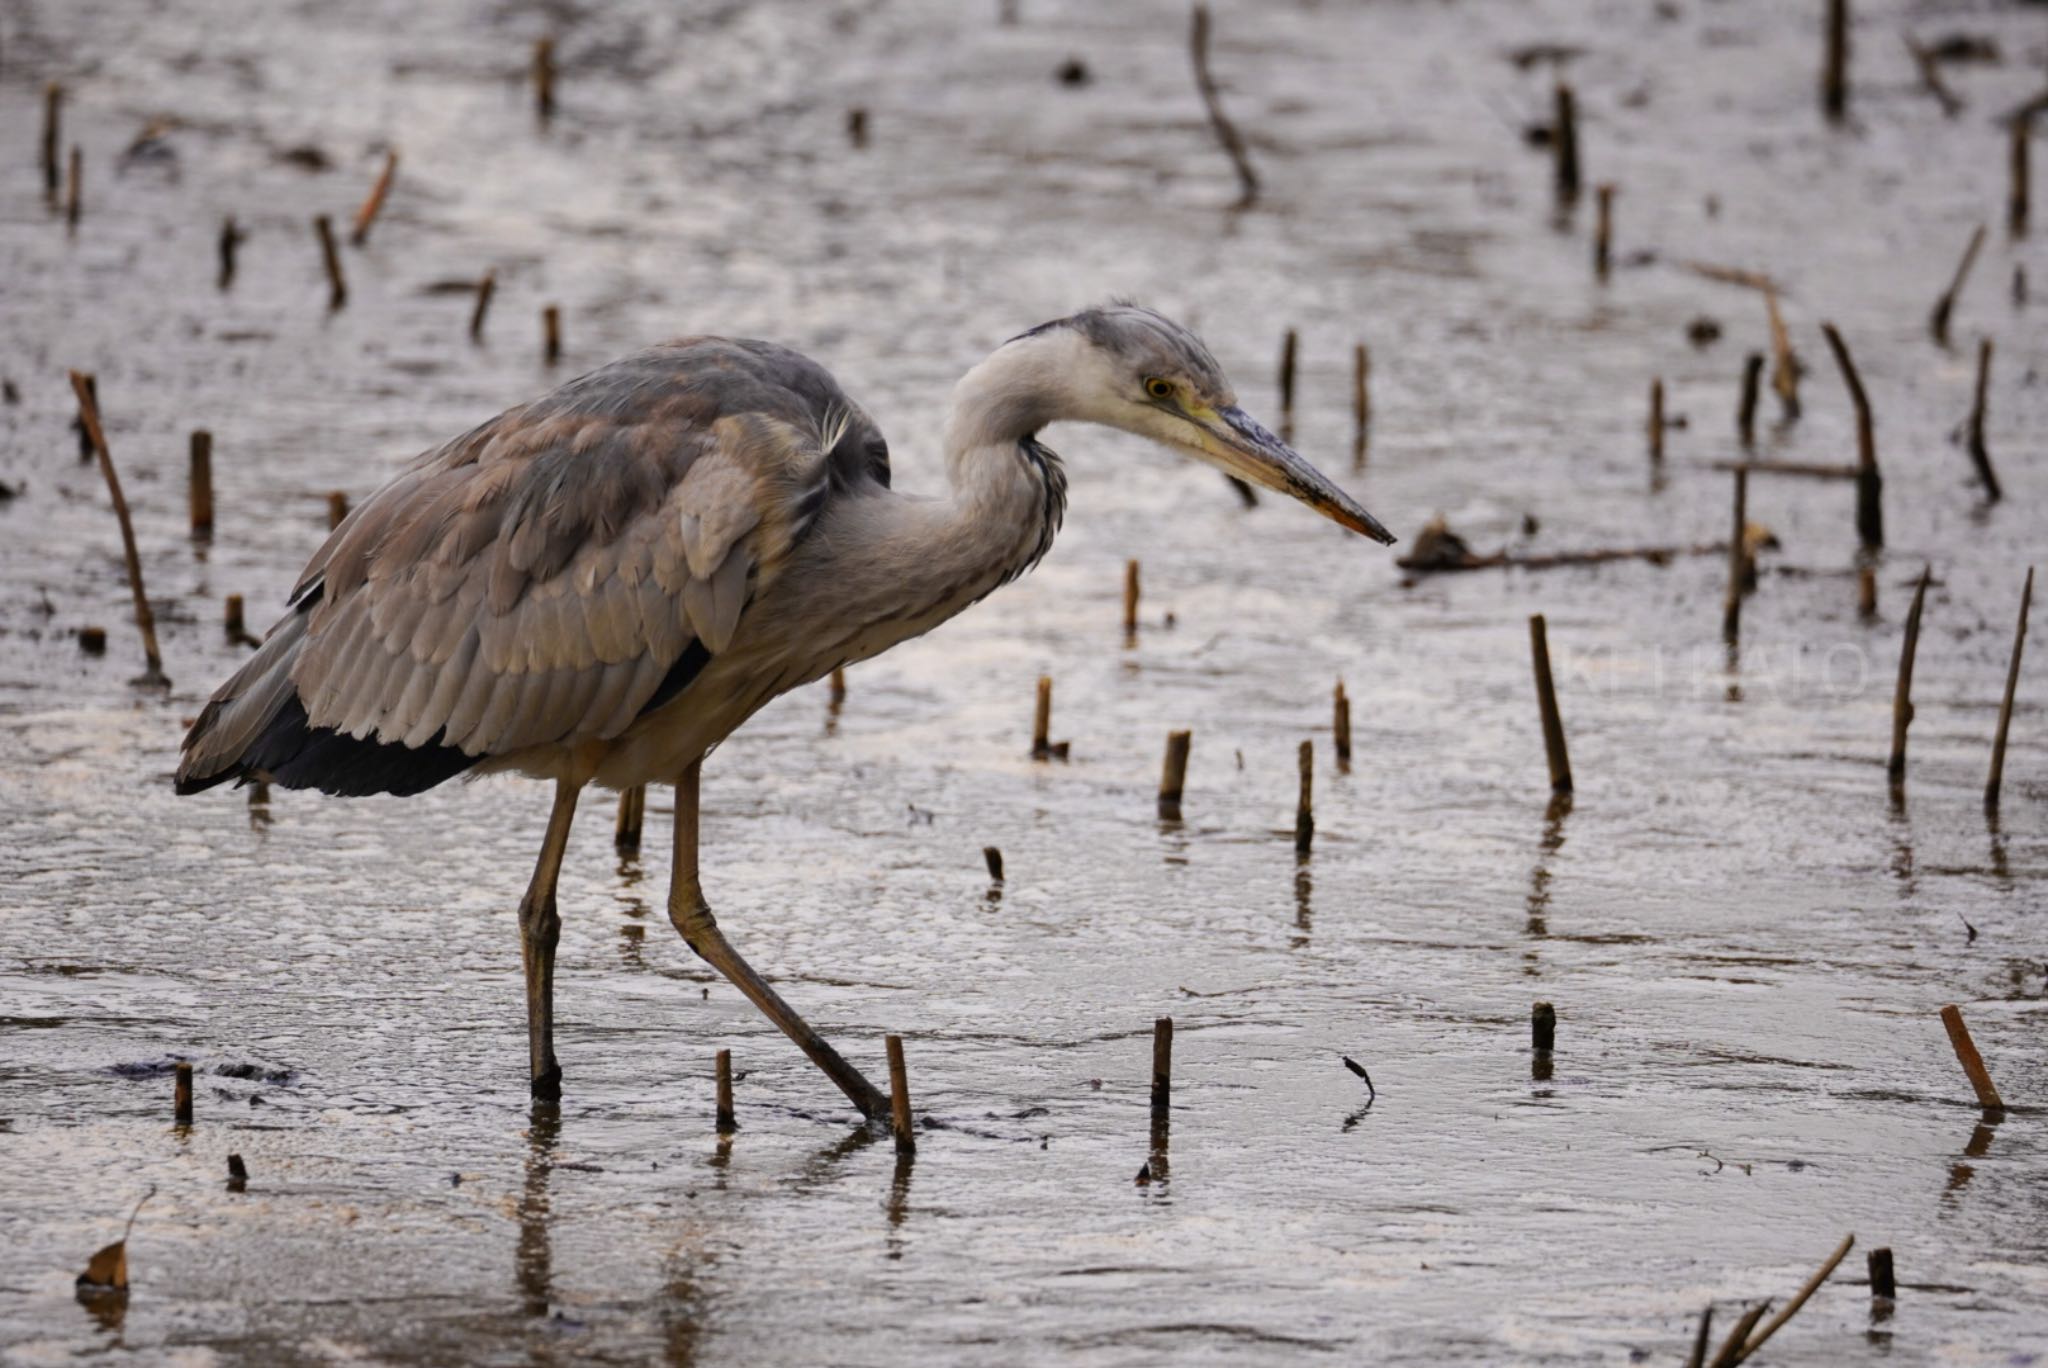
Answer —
1256 456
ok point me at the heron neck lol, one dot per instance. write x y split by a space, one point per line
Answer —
1009 490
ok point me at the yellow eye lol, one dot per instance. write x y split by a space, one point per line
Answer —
1159 389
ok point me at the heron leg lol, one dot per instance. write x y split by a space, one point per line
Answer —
540 929
692 916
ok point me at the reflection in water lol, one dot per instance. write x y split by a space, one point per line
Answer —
534 1266
899 1203
1538 925
1960 1173
1733 669
1304 888
2001 871
1902 843
1157 1162
631 939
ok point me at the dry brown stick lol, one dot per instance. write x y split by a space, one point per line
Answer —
1564 145
725 1121
1162 1064
1173 774
1733 275
1289 345
1730 1352
1866 591
1226 132
1731 606
1305 803
1543 1028
485 288
235 623
1805 470
86 452
1902 692
374 204
632 818
181 1093
2012 685
1834 71
1603 228
899 1098
145 621
1945 306
1546 702
1980 455
1883 1280
2016 202
74 189
1698 1358
1972 1062
1812 1285
993 858
1041 720
551 334
200 489
1930 76
1785 366
1745 411
1130 598
337 287
53 120
1869 483
1361 400
1656 423
231 237
337 508
544 78
1341 725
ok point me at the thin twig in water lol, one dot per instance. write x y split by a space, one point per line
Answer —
1226 132
1813 1283
145 620
1371 1093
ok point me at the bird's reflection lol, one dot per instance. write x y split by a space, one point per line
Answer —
535 1262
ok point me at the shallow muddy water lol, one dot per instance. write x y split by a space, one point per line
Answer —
1746 936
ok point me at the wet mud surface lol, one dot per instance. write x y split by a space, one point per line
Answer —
1746 935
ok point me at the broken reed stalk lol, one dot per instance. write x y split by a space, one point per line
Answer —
74 189
1543 1028
1564 144
1340 708
1546 701
2012 684
1699 1342
857 127
551 334
1361 400
1289 346
1173 774
1130 598
544 78
1930 76
1730 1352
1745 411
374 203
181 1094
1869 483
1785 367
234 622
485 288
1945 306
899 1098
1041 720
337 287
1603 228
1866 591
1738 569
994 859
1226 132
1883 1281
1980 455
1902 693
1656 423
1305 804
53 122
2016 203
200 490
1812 1285
337 508
86 452
145 621
1972 1062
1162 1064
725 1122
231 237
1834 70
632 819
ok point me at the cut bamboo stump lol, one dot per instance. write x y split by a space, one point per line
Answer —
1340 709
1289 348
330 259
1972 1062
1866 592
485 288
1130 598
1361 402
234 623
373 204
1543 1028
1173 775
87 391
1042 745
632 819
1738 563
1564 146
993 858
230 240
726 1123
1993 784
337 508
1945 306
1980 455
2016 200
1603 228
1546 702
199 490
1304 806
1656 423
544 79
1745 410
1162 1064
1834 71
1883 1281
899 1099
181 1094
53 138
74 189
551 334
1869 483
1902 693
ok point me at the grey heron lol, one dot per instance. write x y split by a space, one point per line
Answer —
599 586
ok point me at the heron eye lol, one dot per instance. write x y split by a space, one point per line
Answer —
1159 389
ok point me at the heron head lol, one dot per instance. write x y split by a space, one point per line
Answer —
1145 373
